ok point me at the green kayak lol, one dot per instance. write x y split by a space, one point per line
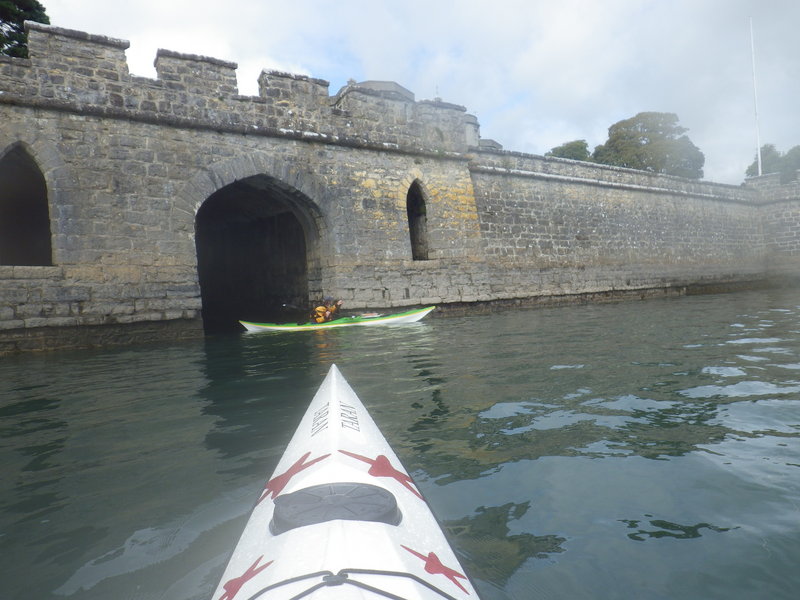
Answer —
410 316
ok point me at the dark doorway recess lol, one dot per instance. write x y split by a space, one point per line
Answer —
24 216
252 253
417 221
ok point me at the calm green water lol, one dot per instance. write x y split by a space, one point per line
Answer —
637 450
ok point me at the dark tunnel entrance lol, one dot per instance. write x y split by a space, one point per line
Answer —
252 254
24 212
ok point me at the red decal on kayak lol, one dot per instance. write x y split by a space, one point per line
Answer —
434 566
276 484
381 467
233 586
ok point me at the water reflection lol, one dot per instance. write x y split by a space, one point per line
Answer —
492 552
665 529
85 447
674 419
551 443
641 426
252 384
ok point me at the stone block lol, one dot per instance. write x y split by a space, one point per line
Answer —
11 324
14 295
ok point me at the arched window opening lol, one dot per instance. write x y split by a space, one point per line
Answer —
24 216
417 222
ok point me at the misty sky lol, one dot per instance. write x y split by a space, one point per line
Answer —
536 73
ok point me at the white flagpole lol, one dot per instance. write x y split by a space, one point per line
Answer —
755 95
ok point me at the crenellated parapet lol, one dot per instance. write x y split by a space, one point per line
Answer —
195 74
84 73
77 54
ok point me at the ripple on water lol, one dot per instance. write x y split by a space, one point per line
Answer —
763 416
631 403
502 410
750 358
775 350
724 371
742 389
753 340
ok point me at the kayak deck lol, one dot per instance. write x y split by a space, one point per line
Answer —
341 519
410 316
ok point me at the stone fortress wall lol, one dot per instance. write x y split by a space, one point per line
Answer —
175 202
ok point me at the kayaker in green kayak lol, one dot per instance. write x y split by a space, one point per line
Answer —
409 316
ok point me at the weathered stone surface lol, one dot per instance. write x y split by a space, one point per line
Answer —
129 161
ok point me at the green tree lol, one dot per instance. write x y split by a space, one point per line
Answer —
771 161
791 165
575 150
774 161
13 14
654 142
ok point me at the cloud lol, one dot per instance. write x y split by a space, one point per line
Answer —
536 73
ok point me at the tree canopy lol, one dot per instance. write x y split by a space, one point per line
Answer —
773 161
654 142
13 14
791 165
575 150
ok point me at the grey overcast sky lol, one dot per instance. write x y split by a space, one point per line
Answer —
536 73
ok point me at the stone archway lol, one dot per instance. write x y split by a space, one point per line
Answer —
25 237
257 253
